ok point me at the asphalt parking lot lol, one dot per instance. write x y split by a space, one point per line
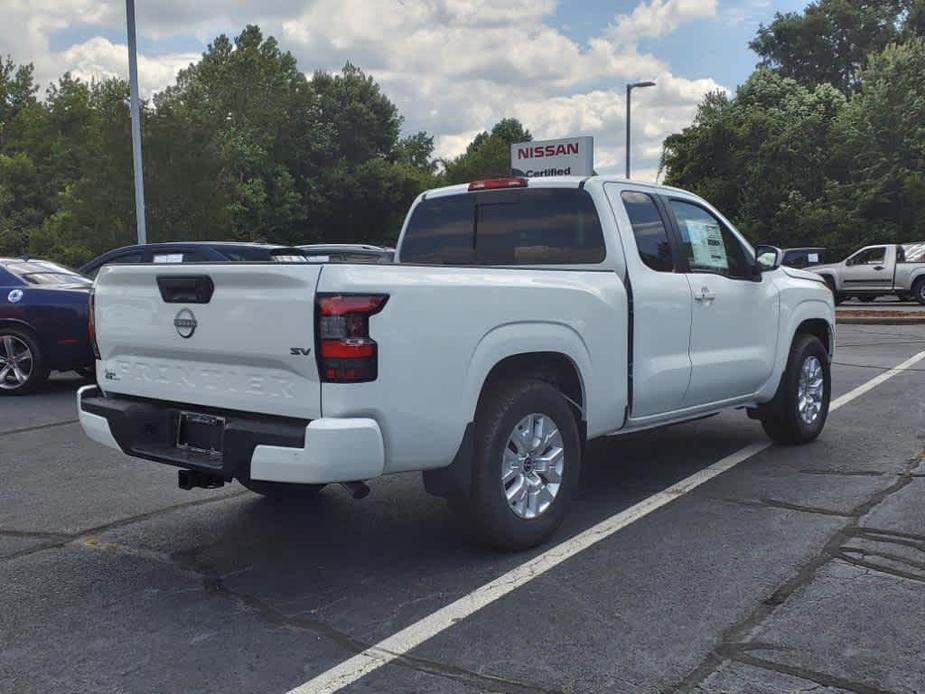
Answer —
797 569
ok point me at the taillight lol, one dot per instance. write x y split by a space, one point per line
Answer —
495 183
346 353
91 310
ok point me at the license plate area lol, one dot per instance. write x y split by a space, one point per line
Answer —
200 433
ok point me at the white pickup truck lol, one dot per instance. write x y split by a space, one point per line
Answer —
520 320
890 269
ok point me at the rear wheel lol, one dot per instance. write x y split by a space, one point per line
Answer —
283 491
800 407
525 465
918 290
22 366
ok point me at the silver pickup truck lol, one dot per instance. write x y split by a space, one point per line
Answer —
888 269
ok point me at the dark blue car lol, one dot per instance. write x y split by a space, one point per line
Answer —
181 252
43 323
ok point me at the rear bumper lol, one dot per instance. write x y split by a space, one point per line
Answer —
274 449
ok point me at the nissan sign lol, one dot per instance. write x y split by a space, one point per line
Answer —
573 156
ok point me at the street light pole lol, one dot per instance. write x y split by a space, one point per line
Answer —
136 123
629 91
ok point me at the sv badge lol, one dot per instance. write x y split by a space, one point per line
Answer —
299 351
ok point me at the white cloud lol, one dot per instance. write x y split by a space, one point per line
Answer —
99 58
453 67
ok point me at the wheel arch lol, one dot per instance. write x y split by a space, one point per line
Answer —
818 327
20 324
551 352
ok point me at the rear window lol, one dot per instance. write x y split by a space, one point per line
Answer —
543 226
45 273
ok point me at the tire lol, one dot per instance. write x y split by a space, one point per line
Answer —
918 290
782 419
830 283
503 516
29 371
283 491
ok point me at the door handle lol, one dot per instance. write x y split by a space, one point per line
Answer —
704 295
879 267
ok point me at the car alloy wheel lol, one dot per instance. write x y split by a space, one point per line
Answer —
532 465
16 362
810 389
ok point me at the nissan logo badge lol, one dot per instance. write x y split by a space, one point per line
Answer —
185 323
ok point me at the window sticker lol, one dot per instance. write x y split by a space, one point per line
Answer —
707 244
169 258
812 257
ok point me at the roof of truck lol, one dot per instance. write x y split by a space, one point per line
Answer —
555 182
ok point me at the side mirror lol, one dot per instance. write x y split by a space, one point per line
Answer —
768 258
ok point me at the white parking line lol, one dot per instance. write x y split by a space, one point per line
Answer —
414 635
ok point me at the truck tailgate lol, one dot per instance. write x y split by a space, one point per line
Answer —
249 345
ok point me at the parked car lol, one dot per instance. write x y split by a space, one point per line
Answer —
486 356
348 253
43 323
804 257
888 269
181 252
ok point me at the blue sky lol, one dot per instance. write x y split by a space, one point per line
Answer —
453 67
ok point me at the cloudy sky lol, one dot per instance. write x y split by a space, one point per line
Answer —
453 67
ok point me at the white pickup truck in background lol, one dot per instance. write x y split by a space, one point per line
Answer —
889 269
521 319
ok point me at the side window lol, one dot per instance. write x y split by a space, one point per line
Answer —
555 226
708 244
649 231
869 256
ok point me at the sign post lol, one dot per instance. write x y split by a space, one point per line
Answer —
571 156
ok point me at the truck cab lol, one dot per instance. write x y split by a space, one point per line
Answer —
887 269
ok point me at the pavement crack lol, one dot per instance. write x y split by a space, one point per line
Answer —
38 427
786 506
61 539
848 555
38 535
738 634
840 473
820 678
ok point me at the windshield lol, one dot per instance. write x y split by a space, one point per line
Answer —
45 273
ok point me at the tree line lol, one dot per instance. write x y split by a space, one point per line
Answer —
243 146
824 144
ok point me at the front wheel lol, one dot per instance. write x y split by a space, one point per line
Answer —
800 407
918 291
526 464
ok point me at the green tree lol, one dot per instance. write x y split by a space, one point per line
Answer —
831 39
488 155
882 145
763 157
369 176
